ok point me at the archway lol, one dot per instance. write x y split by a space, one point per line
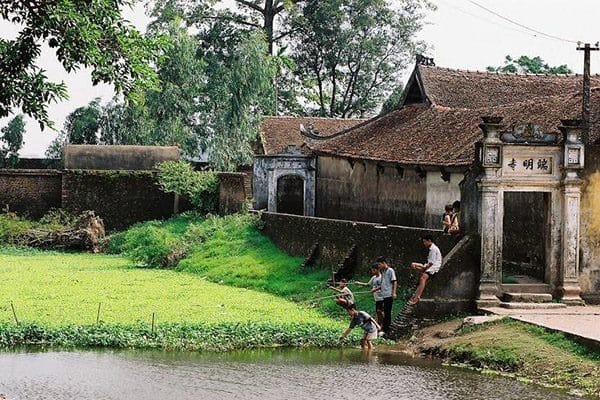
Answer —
290 194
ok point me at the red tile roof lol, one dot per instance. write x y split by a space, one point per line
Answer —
443 136
279 132
475 89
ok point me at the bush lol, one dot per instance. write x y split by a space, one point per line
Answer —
11 226
200 188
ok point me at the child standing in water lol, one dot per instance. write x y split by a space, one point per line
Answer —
345 297
366 323
375 284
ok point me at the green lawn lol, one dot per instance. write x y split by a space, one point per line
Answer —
60 288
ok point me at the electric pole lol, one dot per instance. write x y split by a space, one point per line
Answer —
585 114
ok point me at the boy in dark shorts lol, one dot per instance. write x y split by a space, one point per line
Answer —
366 323
375 284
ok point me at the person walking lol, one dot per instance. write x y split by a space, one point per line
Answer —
389 286
427 270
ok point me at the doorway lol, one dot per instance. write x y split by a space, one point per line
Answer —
290 195
525 235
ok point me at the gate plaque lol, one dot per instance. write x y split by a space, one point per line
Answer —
527 166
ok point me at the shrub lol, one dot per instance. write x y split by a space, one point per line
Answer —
11 226
200 188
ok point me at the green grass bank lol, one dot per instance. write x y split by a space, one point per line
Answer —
527 352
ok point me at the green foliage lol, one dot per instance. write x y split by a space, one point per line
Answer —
11 226
60 289
201 188
529 65
174 336
354 51
393 101
12 141
85 34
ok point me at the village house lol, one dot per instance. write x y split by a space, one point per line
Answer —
401 168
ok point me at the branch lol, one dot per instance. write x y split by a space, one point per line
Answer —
251 5
235 20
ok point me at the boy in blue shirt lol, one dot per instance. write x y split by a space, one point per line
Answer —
366 323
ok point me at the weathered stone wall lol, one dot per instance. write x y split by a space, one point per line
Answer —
96 157
368 191
371 192
401 245
232 192
589 267
120 198
440 193
30 192
453 290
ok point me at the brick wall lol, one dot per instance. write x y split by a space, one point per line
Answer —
120 198
30 192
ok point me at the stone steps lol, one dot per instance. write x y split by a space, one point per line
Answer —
510 297
526 288
532 306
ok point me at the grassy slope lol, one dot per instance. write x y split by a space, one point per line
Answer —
527 351
58 289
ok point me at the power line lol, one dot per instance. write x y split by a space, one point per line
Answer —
522 25
490 21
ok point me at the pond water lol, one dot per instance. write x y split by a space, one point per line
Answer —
272 374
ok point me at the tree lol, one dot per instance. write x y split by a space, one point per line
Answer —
393 100
529 65
89 34
12 139
354 52
82 125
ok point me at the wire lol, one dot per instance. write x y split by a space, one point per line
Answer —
488 20
521 25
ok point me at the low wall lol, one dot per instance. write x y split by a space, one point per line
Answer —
30 192
120 198
400 245
452 291
98 157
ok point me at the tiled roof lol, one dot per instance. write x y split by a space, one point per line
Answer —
279 132
443 136
475 89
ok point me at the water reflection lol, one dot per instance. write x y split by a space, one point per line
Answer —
258 374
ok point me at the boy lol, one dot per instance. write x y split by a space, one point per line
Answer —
345 297
447 218
433 265
389 287
375 283
367 324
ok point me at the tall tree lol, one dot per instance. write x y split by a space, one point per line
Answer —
12 141
354 51
393 100
82 125
529 65
90 34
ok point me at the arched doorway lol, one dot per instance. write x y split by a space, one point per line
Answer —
290 195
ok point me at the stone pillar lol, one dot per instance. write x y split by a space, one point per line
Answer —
568 287
491 213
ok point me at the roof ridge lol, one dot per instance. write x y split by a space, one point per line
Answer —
318 118
501 73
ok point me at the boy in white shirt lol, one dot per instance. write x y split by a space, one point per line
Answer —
427 270
345 298
375 284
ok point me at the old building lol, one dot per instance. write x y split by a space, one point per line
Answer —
402 167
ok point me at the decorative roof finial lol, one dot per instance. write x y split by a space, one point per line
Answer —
423 60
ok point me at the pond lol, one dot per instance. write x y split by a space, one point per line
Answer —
264 374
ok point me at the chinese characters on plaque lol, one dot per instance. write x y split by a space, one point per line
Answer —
528 166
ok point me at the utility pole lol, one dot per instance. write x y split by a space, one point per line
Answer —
585 114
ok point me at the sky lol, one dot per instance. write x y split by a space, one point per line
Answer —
459 33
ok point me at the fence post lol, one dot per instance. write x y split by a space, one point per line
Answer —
14 312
